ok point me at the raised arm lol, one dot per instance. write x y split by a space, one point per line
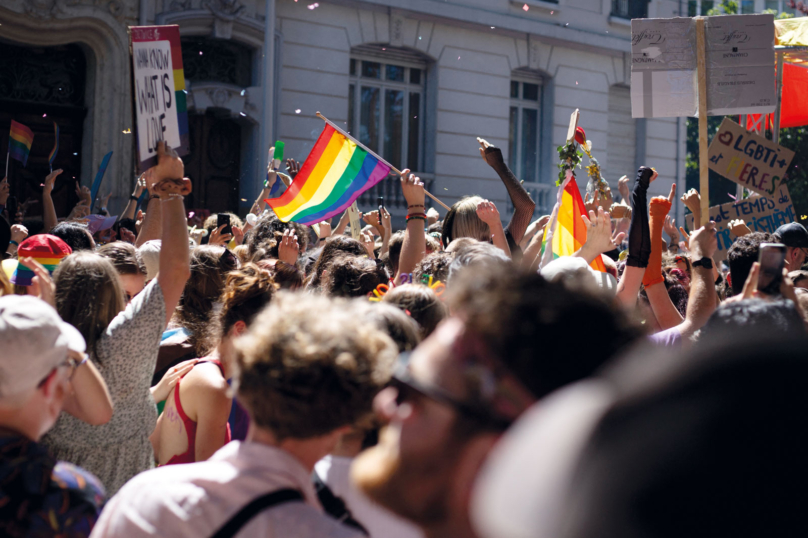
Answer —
523 204
666 313
598 236
171 187
153 221
702 301
489 214
49 219
414 247
131 206
639 239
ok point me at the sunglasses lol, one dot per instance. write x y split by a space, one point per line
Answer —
410 389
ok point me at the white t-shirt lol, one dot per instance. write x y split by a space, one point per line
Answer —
335 471
194 500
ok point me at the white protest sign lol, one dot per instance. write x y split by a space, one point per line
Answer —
739 53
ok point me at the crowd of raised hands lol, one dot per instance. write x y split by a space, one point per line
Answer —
161 310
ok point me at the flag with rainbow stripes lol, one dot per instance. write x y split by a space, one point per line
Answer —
19 142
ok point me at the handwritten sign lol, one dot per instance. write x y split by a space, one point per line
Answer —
760 213
739 55
158 88
748 159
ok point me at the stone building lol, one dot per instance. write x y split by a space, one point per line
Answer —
416 80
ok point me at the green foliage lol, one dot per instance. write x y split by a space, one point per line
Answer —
570 159
730 7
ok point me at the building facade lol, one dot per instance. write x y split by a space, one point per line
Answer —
415 80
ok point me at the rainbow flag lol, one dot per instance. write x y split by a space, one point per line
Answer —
566 233
19 142
55 150
335 174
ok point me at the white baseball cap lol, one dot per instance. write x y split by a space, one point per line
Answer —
34 340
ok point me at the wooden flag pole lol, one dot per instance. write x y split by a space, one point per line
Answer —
704 175
364 147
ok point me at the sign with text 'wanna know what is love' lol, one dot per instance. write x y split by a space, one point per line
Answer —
748 159
760 213
158 89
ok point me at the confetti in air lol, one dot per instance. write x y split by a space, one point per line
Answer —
44 115
128 131
550 12
242 114
297 111
525 7
200 53
315 5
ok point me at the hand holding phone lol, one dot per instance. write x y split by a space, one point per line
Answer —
772 259
224 218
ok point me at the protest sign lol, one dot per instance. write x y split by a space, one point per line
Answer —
748 159
158 89
739 59
760 213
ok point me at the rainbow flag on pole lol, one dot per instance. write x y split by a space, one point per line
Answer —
335 174
55 150
566 232
19 142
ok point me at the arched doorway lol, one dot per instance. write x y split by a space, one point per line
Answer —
214 162
39 86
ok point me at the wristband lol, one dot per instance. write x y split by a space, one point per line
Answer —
414 205
153 196
416 217
133 198
12 242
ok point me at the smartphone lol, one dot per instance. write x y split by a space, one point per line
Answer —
772 259
223 218
381 207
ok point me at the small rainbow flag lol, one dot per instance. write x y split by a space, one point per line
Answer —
335 174
19 142
567 232
55 150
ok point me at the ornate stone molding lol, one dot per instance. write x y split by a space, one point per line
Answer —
205 95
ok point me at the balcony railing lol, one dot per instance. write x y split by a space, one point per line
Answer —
630 9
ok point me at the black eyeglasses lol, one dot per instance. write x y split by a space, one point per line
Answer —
407 387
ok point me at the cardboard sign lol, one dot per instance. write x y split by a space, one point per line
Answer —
574 117
761 214
748 159
739 55
158 92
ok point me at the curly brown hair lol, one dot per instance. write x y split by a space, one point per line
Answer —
308 365
435 265
422 304
349 276
247 291
336 245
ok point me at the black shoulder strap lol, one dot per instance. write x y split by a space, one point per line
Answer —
255 507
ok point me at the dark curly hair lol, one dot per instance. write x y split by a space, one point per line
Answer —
265 230
435 265
422 304
336 245
742 254
352 276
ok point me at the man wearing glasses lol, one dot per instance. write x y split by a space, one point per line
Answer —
38 495
514 339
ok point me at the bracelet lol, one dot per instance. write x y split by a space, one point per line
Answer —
133 198
12 242
414 205
416 217
153 196
418 214
172 196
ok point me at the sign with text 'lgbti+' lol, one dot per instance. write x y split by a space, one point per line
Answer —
760 213
739 58
158 87
748 159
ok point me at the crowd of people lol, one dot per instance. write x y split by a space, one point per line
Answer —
162 375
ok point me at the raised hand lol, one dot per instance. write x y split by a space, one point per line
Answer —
140 186
413 189
670 228
593 204
289 249
692 201
432 216
293 167
43 286
127 235
219 238
488 213
80 211
18 233
238 234
366 238
50 180
387 222
599 233
169 165
325 230
622 188
704 242
490 158
739 228
162 389
84 194
620 211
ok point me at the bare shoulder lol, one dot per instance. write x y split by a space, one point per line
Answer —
205 377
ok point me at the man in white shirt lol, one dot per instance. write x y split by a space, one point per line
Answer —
308 369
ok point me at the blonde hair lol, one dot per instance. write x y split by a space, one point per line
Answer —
88 294
462 221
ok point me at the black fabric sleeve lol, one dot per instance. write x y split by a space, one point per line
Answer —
639 233
523 204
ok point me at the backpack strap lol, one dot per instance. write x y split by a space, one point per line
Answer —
254 508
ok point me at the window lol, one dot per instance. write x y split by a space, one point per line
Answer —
780 6
524 133
630 9
386 106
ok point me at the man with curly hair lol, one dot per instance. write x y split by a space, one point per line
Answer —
308 370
